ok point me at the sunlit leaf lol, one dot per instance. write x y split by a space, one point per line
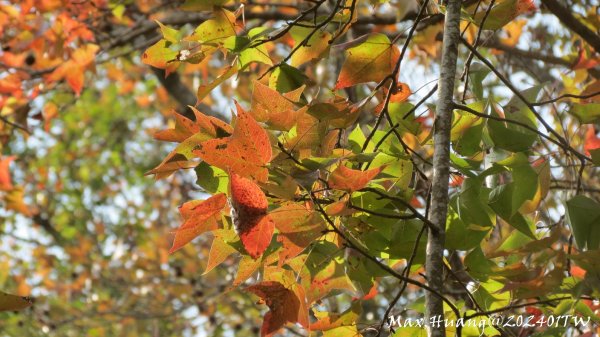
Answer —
503 12
205 89
273 108
298 228
199 216
252 223
215 29
344 178
314 49
245 152
370 61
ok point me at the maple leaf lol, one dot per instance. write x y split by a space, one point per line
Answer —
215 29
220 249
5 180
249 212
513 32
199 216
185 127
401 95
328 321
277 110
315 48
347 179
14 201
205 89
284 305
325 278
592 141
337 111
190 134
73 70
584 61
246 152
298 227
160 55
370 61
503 12
309 132
10 302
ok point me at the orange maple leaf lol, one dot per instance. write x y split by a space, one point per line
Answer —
592 141
199 216
5 180
246 152
252 223
347 179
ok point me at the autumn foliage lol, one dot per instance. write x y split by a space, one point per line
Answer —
292 147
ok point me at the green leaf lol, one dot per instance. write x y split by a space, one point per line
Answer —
595 153
510 136
507 199
211 179
170 34
363 272
460 234
287 78
240 45
520 223
586 113
357 138
404 236
215 30
479 266
472 204
467 130
408 124
400 169
501 14
583 214
478 72
315 48
489 297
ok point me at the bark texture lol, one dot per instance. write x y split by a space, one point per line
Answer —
441 168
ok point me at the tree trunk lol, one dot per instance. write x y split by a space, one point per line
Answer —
441 168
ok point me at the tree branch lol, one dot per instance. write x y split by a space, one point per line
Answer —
569 20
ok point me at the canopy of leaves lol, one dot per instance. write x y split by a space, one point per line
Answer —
291 146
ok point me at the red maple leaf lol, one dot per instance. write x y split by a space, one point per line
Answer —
249 212
199 216
246 152
592 141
